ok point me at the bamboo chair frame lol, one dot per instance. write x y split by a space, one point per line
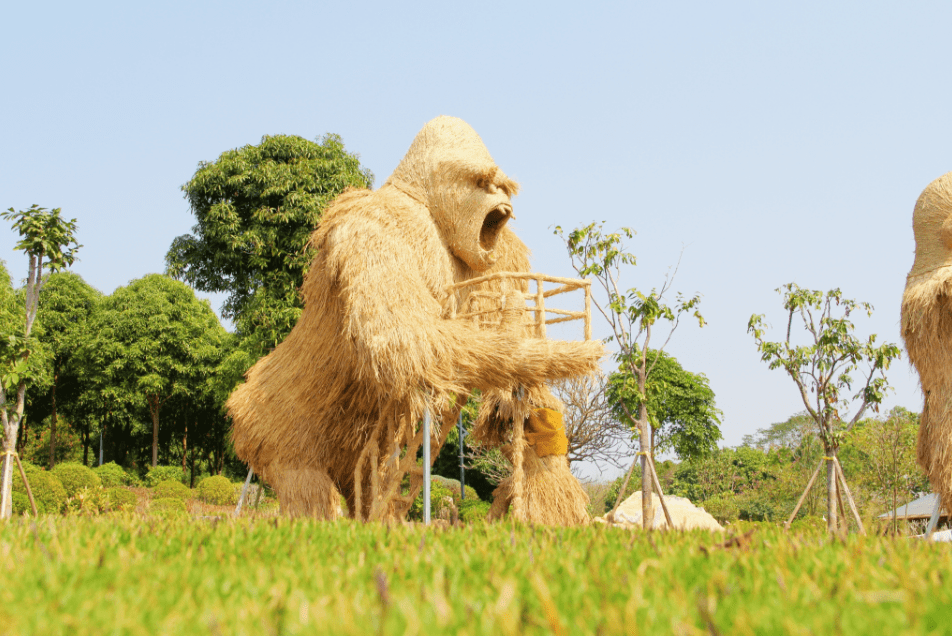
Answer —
493 317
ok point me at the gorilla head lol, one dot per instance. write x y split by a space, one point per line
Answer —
449 170
927 329
932 226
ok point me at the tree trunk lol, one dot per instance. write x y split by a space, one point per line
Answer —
895 509
85 448
155 430
185 451
647 509
53 419
831 488
11 421
11 424
191 481
6 482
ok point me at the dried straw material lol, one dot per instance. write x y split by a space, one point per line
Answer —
337 406
550 494
927 329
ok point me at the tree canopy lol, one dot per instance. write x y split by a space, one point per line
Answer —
791 434
67 304
681 408
256 208
888 446
151 342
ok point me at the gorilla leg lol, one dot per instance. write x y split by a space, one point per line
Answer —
305 492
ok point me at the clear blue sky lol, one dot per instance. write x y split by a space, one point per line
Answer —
772 143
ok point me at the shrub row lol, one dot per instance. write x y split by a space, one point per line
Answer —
113 475
70 486
217 491
48 491
442 491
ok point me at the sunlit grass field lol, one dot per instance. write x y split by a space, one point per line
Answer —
138 574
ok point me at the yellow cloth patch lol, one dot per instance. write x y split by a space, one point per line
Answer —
545 433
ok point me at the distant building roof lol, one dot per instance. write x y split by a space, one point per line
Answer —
921 508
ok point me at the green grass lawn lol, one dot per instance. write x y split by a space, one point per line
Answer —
137 574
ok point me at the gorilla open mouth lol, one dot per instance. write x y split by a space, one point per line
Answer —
492 226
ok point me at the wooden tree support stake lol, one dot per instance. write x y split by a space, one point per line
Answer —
244 491
29 491
657 485
649 462
841 480
622 489
8 455
806 490
849 495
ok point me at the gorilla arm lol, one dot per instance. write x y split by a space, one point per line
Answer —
393 322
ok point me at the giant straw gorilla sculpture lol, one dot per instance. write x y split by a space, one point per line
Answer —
374 343
927 330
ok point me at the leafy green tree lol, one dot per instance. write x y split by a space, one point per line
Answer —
49 241
11 322
34 445
256 208
823 370
743 482
202 428
888 445
634 318
796 445
154 345
727 470
67 303
793 433
681 410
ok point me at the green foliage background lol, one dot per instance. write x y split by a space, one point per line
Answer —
256 208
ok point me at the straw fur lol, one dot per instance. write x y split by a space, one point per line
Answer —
373 349
551 495
927 330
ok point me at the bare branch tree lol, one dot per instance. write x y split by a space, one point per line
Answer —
594 434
